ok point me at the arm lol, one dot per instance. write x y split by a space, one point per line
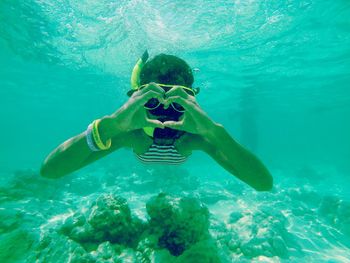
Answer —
235 158
75 153
216 141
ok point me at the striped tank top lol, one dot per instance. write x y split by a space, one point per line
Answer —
162 154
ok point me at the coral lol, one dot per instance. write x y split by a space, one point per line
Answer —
106 232
109 219
59 248
203 251
15 245
178 222
336 212
258 234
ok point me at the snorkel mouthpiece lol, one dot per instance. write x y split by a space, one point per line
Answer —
135 75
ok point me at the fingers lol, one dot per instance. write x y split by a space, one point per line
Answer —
137 102
177 125
155 123
142 99
180 100
150 86
176 91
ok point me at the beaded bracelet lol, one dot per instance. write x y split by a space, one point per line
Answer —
90 140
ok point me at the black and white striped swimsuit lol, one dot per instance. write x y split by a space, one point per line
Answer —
162 154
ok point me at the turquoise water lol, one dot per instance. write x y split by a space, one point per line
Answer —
276 74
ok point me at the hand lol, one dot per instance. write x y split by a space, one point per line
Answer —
194 119
132 115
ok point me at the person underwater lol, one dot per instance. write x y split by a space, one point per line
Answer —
162 123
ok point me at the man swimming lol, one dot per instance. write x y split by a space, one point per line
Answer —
162 123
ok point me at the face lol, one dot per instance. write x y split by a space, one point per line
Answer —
157 111
173 112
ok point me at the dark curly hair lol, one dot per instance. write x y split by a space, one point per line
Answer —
167 69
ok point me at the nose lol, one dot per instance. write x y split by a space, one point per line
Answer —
165 106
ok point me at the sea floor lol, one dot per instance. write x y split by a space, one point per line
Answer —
173 214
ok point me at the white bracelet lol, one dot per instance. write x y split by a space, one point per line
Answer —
90 140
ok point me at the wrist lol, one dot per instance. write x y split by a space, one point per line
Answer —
108 128
213 132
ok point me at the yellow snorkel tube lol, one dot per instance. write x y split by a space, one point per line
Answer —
135 84
135 75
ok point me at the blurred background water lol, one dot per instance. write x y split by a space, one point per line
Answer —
276 74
